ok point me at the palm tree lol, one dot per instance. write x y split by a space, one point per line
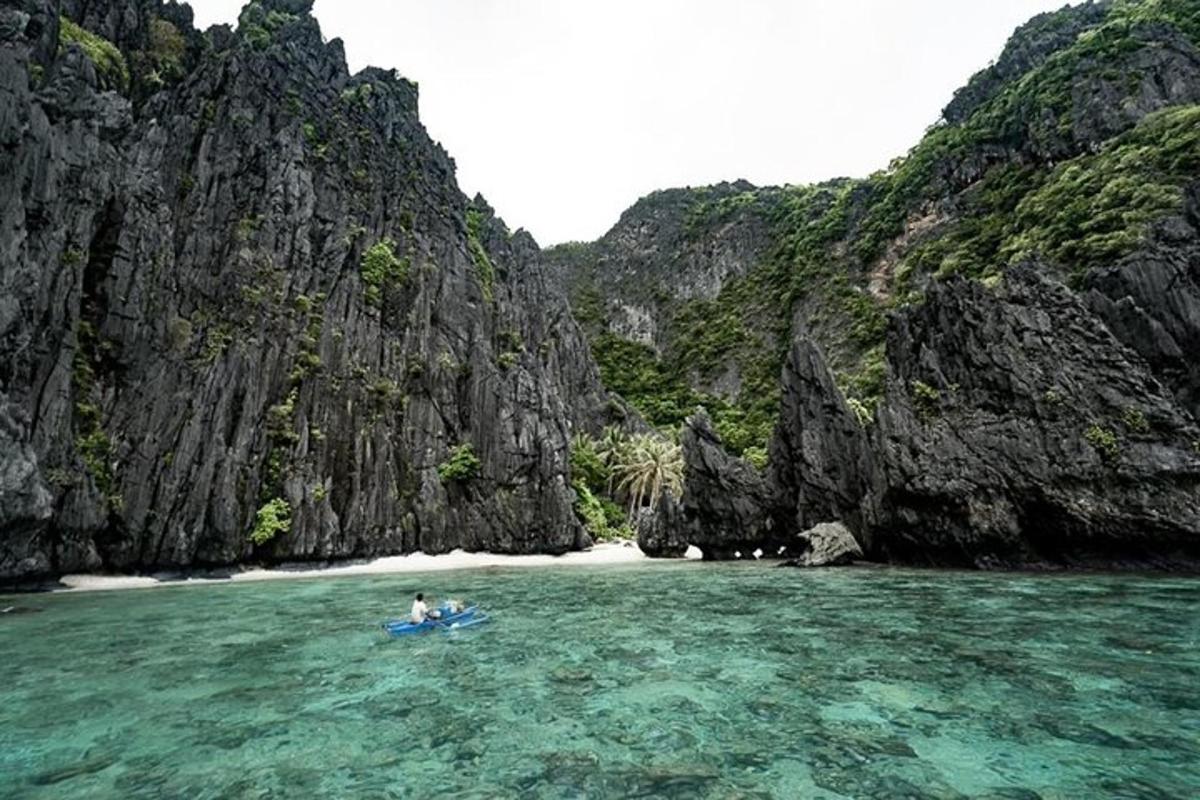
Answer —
586 463
648 466
609 447
583 442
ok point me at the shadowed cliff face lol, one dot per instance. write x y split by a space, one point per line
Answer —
254 280
1016 430
1019 430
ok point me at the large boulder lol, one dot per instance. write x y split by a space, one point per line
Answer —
659 533
829 544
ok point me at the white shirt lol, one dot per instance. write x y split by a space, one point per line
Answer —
419 611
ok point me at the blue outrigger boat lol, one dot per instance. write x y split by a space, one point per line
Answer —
447 622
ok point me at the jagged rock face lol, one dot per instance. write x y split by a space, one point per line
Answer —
819 470
1018 430
1151 302
1105 102
726 509
819 454
190 329
658 256
25 502
649 255
1030 46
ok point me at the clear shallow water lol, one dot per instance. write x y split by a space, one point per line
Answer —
657 681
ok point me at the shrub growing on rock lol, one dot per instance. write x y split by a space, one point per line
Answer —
380 267
1103 440
110 63
272 519
462 464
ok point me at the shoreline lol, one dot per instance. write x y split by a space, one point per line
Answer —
623 552
606 553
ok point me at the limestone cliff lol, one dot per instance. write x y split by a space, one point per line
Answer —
993 342
246 313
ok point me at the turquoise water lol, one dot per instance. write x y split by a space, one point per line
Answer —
681 680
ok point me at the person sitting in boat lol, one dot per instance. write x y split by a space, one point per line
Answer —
454 606
420 612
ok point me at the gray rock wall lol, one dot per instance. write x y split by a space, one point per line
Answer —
1017 431
187 332
1047 420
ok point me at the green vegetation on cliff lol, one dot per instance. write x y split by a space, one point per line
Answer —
460 465
166 51
258 25
1063 156
1016 117
1097 208
744 330
659 390
111 68
92 442
381 268
1090 210
272 519
484 269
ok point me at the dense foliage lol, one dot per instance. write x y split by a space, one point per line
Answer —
638 470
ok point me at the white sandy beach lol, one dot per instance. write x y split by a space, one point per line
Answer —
601 554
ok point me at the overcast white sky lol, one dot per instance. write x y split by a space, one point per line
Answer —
564 112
